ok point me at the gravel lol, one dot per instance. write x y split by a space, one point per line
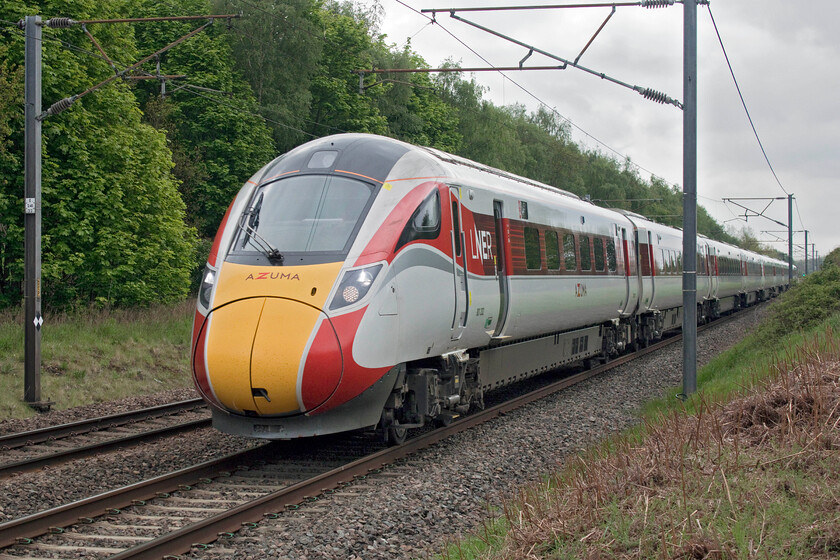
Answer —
58 417
413 508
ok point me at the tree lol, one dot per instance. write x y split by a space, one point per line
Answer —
832 259
11 92
113 229
276 46
211 122
337 105
410 102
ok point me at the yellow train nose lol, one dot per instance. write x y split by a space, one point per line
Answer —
256 351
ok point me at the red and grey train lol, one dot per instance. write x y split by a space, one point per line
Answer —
359 282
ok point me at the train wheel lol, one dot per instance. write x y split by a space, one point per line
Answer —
396 435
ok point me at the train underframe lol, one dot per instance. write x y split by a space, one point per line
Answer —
440 389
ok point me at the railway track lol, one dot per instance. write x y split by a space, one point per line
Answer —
36 449
168 515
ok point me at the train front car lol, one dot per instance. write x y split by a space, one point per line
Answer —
300 258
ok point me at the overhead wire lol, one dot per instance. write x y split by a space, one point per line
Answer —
536 98
48 36
743 102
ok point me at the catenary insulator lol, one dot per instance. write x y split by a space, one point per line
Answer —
657 3
657 96
60 106
60 22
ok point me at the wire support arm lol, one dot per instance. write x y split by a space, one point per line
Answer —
641 3
65 103
647 93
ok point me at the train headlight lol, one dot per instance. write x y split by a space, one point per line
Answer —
208 279
355 285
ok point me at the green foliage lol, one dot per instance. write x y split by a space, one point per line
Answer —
218 140
410 103
11 91
336 103
113 222
833 258
812 300
276 46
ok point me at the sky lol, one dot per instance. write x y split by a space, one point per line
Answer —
786 58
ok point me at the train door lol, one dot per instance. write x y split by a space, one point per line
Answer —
501 268
644 253
651 259
713 272
459 261
632 288
703 276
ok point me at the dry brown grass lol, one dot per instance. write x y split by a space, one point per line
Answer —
758 477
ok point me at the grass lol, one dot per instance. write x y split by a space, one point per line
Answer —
756 477
747 468
98 355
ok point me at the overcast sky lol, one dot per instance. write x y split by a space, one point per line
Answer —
786 58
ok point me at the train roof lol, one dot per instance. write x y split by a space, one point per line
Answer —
464 162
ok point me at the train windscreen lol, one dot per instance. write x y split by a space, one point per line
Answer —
303 214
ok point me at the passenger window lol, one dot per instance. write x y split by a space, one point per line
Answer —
611 261
585 253
552 251
599 254
532 249
569 252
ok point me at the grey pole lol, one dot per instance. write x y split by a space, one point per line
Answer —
689 325
790 240
806 252
32 214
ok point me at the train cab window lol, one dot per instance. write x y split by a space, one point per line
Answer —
585 253
424 223
611 260
532 249
600 264
552 250
569 257
304 214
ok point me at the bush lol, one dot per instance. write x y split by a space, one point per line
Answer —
807 304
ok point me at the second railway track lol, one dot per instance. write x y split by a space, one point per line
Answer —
36 449
219 498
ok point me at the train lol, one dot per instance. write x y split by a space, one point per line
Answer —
358 282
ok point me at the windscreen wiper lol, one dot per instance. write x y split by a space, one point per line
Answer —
248 223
